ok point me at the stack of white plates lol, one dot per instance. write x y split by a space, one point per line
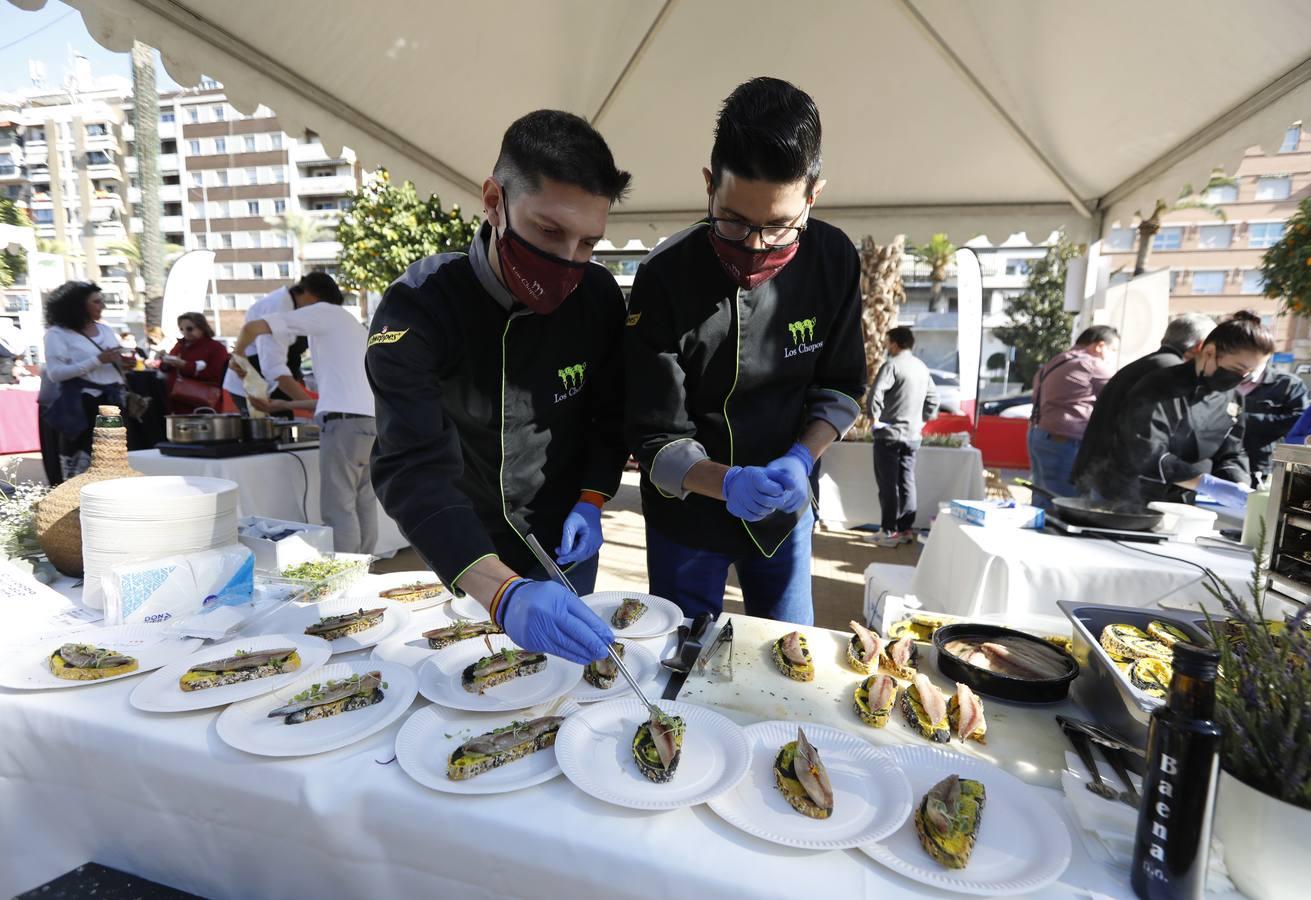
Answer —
140 519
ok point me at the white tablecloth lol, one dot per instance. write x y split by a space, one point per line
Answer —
848 494
972 570
84 776
268 484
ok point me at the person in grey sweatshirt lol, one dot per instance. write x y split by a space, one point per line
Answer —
901 399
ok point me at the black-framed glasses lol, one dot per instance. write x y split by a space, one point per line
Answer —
770 235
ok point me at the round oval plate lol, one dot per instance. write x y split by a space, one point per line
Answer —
27 668
661 617
642 665
871 796
368 590
1023 844
295 618
440 679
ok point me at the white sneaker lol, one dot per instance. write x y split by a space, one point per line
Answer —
874 537
896 539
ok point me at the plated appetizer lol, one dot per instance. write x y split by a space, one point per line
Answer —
658 746
502 666
965 712
1010 656
947 820
628 613
87 662
413 593
875 697
502 745
801 776
601 673
334 696
865 649
925 710
899 658
920 626
239 667
793 658
332 627
462 630
1128 642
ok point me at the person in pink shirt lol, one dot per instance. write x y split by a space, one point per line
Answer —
1064 392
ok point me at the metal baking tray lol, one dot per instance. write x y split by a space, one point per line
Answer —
1102 689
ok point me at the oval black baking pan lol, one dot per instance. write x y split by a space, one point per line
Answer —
992 684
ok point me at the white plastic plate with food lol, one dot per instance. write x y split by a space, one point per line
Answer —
413 590
442 677
294 619
641 664
659 617
134 650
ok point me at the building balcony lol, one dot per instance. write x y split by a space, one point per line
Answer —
313 153
325 185
321 251
328 218
12 174
172 224
105 170
103 142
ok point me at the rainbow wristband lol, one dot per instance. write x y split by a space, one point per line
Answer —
498 599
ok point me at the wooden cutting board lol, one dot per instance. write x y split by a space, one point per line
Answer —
1024 739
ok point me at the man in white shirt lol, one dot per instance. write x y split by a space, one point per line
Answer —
277 360
344 408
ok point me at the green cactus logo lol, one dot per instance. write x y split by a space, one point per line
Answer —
572 376
802 330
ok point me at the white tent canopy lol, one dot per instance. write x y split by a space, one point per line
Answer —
939 115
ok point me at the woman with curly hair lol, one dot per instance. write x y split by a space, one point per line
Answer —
85 361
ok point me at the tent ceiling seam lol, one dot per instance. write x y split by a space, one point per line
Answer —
242 52
1211 131
638 52
1015 128
693 215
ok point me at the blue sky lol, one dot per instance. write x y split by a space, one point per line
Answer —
47 35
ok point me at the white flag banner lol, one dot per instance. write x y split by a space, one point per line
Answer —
186 287
969 327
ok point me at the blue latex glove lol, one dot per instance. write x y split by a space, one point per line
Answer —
792 472
1225 493
544 617
581 537
750 493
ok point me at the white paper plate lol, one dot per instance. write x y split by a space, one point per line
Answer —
1022 846
369 588
661 617
440 679
428 738
642 665
295 618
247 726
28 669
161 693
871 796
595 750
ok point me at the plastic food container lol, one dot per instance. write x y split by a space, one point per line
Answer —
994 684
327 587
1189 522
1104 690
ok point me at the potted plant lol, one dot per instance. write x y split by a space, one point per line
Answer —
1263 702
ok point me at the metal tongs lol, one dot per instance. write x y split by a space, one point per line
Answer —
716 662
554 573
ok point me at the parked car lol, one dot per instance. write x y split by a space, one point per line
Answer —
1016 407
948 385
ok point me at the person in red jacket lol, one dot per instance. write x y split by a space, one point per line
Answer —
197 357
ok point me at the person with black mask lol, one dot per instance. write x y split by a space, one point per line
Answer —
498 388
744 361
1181 342
1273 402
1181 432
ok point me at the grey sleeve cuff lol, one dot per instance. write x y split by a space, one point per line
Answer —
833 407
671 463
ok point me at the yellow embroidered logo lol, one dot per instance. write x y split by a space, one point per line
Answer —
387 337
632 320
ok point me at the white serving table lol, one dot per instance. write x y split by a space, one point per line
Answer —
849 496
272 485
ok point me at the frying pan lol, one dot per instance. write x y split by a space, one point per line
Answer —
1099 513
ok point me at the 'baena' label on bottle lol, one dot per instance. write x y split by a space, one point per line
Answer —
1174 826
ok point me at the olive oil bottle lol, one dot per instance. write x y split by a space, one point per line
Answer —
1172 846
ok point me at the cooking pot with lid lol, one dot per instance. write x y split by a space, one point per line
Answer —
201 427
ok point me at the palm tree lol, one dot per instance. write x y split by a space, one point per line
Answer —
303 230
145 122
883 294
937 254
1188 199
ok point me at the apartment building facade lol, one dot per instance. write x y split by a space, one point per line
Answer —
264 201
1215 262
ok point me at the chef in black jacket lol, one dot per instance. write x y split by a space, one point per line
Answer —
744 359
1182 427
1182 341
498 386
1272 404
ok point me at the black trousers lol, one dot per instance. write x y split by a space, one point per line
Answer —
894 473
49 448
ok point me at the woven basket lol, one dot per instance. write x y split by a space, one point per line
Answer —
58 516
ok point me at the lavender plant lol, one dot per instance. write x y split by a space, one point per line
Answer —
18 519
1263 697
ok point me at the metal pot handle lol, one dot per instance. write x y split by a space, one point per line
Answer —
205 409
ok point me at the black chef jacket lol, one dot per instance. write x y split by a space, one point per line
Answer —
1173 429
1269 412
492 419
735 376
1100 435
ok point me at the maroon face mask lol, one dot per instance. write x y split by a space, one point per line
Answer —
751 268
537 279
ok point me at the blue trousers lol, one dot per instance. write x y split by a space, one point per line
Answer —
777 587
1051 457
582 575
